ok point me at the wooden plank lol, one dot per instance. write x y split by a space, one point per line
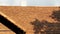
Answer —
23 16
5 30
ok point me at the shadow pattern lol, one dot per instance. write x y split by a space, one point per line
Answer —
56 15
45 27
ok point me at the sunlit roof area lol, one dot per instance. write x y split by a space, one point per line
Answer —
29 2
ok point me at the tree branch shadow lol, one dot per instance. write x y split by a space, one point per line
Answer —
45 27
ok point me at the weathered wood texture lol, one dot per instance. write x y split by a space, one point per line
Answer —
23 16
